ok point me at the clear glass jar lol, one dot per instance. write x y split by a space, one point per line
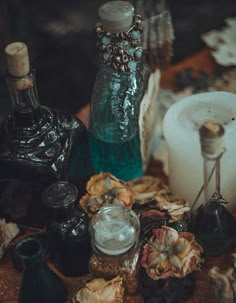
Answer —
67 232
114 232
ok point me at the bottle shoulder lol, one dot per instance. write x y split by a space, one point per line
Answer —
49 127
43 149
74 228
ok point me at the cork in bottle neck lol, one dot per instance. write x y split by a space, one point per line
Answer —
211 138
17 59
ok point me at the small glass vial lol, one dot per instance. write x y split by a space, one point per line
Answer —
213 225
67 232
114 234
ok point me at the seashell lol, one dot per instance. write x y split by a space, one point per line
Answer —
117 59
137 20
125 58
122 68
109 48
120 51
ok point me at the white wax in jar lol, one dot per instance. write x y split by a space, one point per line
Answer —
180 126
114 237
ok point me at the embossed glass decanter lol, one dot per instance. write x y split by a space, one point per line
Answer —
114 118
213 225
38 145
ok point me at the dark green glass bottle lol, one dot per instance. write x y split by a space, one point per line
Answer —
39 283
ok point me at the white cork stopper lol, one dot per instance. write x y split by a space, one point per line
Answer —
17 59
116 16
212 138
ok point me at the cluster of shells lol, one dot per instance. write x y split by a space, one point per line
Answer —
123 50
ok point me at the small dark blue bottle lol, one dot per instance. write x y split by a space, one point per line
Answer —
39 283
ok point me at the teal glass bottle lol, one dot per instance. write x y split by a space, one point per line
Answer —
38 145
114 117
39 283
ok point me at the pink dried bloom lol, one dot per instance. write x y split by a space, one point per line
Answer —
169 254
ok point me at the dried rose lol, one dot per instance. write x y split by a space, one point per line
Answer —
150 189
146 188
169 254
8 231
103 189
99 290
177 208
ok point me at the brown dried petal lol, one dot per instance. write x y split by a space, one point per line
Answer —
104 189
147 184
99 290
96 184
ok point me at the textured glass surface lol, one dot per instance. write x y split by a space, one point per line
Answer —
69 242
114 131
67 230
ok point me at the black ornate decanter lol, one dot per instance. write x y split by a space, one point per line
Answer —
38 146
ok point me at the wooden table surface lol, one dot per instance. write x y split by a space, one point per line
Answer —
10 279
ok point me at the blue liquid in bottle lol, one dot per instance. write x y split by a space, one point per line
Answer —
114 131
124 160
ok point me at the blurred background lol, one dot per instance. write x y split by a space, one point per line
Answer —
62 42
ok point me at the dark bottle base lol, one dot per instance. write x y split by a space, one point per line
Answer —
72 261
214 228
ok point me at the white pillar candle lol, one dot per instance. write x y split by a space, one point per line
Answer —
180 126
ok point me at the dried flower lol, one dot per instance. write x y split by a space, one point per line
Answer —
177 208
99 290
103 189
152 190
8 231
146 188
169 254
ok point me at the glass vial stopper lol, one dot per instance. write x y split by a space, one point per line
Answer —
116 16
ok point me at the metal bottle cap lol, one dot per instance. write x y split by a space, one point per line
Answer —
116 16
